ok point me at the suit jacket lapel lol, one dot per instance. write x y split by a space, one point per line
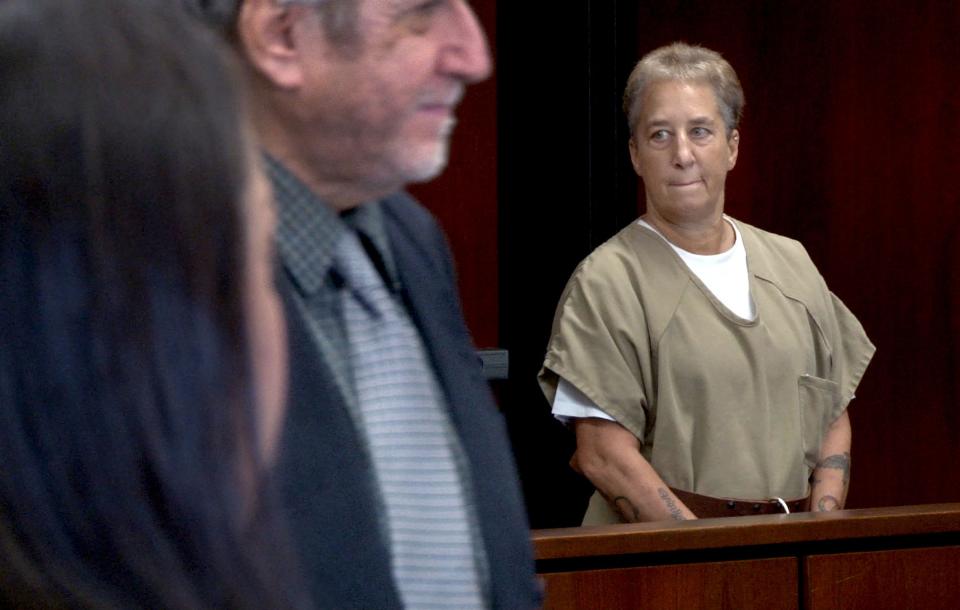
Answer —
426 274
328 485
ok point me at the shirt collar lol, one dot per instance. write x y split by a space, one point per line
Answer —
368 219
308 230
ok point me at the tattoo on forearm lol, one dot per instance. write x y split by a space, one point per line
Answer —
838 462
626 509
828 503
675 511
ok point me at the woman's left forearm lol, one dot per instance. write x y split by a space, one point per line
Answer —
831 477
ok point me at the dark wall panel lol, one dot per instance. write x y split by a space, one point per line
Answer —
850 143
464 197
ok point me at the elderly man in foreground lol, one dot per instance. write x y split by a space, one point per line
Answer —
396 468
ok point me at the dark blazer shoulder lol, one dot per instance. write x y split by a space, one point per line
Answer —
410 224
409 212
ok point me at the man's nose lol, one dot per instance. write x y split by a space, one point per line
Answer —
465 54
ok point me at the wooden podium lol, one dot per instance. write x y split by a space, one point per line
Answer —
902 558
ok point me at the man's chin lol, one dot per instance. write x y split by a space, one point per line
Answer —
424 165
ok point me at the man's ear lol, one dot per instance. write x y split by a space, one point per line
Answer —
265 32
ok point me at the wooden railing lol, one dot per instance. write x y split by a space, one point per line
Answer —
903 558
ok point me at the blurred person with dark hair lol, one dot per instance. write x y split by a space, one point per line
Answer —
396 465
142 354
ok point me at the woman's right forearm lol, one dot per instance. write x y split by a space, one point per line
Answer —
608 455
637 492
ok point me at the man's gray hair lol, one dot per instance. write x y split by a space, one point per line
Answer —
340 16
690 63
218 14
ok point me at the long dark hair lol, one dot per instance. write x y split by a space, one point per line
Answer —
126 413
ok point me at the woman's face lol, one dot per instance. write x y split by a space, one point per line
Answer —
268 336
682 151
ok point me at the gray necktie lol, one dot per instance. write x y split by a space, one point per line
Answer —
428 516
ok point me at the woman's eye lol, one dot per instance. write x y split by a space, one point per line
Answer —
659 135
699 132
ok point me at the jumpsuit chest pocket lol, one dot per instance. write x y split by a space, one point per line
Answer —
818 398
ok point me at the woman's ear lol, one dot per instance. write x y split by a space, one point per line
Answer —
634 156
733 143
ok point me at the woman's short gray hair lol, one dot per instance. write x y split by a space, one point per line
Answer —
683 62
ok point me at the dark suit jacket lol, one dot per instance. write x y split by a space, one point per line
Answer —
327 476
